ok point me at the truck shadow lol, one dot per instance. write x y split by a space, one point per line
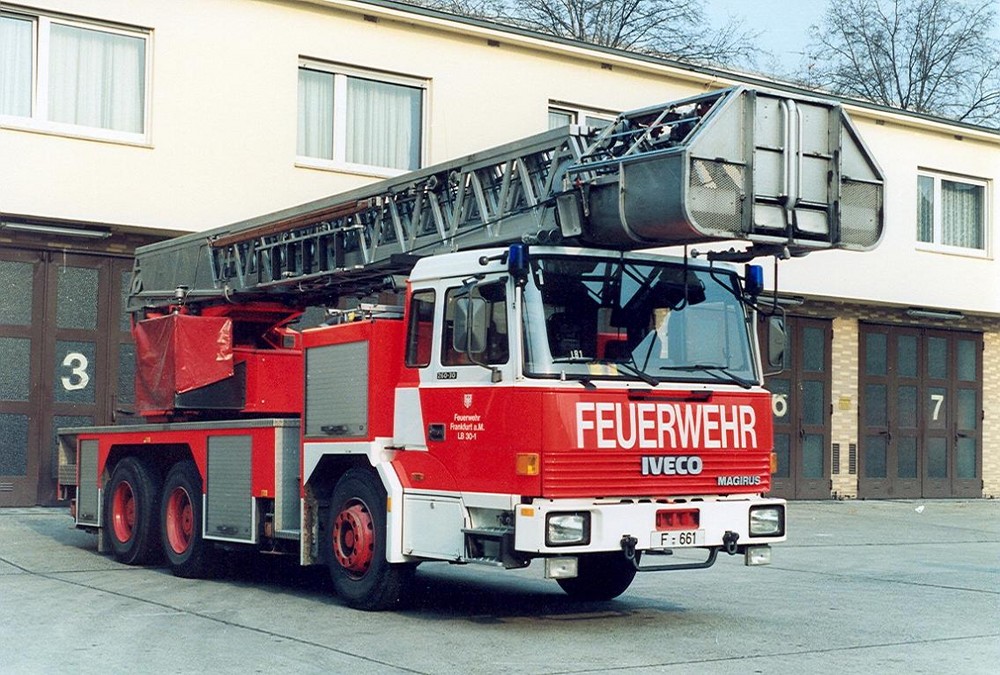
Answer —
438 591
444 592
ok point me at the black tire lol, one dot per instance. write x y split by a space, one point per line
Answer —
186 551
131 512
602 576
355 544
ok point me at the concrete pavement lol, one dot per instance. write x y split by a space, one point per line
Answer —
880 587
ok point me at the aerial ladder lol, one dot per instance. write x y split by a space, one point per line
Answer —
786 175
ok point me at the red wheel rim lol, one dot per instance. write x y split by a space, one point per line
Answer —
123 511
180 520
354 538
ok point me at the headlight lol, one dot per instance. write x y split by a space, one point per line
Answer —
767 521
567 529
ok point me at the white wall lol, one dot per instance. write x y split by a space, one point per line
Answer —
901 270
224 97
223 130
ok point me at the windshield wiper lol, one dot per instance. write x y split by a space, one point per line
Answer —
718 372
623 365
638 372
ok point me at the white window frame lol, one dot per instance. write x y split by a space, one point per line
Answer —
578 114
40 47
341 73
936 246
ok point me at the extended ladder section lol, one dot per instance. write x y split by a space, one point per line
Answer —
785 174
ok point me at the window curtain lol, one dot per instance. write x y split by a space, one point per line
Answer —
96 79
925 209
315 114
383 124
15 66
596 122
558 119
961 214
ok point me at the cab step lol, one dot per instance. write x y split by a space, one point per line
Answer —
492 546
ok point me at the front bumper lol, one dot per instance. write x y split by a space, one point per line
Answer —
718 521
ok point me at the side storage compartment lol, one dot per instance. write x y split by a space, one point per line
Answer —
88 495
229 506
287 504
337 391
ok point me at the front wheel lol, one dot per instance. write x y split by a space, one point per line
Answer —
356 544
601 576
187 552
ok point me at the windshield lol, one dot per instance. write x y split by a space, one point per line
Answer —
590 318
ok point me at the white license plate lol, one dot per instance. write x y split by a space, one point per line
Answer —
677 538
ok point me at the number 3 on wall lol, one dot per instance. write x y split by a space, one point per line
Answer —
78 377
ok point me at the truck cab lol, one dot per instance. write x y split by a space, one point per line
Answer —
577 405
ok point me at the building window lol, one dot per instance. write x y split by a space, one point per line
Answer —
951 212
72 77
359 121
561 114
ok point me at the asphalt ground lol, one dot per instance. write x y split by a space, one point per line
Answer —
860 587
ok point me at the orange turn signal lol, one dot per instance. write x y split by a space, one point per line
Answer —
527 464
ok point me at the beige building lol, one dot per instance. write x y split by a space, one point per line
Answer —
122 122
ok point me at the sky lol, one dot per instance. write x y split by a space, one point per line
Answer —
783 24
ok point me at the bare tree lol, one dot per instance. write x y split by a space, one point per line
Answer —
486 9
674 28
929 56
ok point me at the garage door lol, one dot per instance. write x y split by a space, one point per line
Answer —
920 413
67 360
800 401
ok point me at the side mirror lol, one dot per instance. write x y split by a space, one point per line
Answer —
777 341
469 335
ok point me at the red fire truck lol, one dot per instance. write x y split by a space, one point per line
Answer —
504 369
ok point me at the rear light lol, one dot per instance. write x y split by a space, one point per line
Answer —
774 463
678 519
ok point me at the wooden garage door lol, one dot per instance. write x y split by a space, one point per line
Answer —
67 360
22 306
920 413
800 397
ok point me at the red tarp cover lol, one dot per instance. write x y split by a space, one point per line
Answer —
177 353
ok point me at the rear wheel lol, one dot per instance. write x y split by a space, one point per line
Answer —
602 576
131 514
187 552
356 541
